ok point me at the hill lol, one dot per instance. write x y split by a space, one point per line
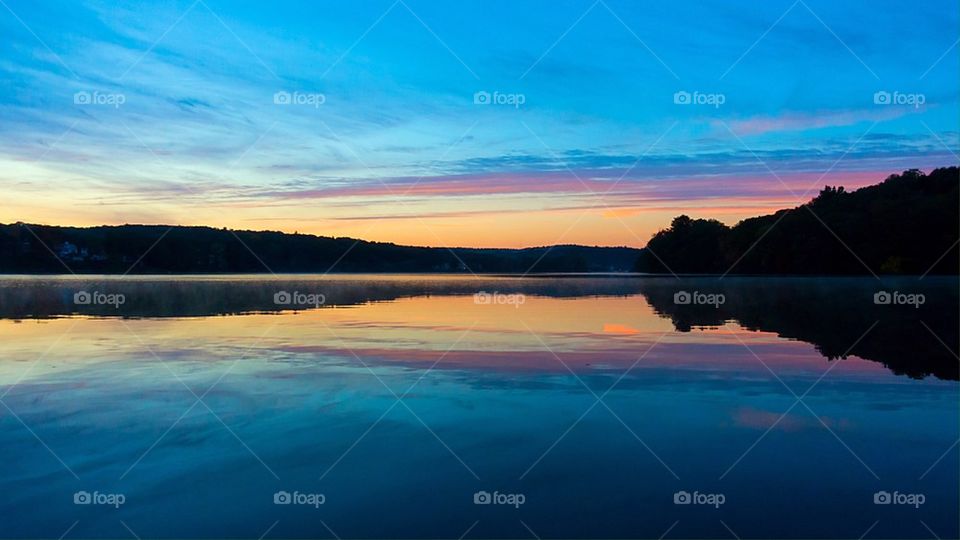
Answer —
904 225
160 249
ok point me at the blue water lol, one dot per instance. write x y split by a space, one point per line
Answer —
494 398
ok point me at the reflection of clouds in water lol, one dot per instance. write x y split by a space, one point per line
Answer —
298 398
793 421
620 329
591 321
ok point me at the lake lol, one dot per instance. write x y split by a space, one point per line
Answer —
357 406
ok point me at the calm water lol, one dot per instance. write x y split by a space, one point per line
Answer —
594 402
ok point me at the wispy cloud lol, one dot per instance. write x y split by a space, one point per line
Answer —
398 132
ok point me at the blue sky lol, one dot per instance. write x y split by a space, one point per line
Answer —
184 127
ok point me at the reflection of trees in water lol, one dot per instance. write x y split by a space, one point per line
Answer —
834 315
43 298
831 314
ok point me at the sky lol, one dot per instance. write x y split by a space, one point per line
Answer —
488 123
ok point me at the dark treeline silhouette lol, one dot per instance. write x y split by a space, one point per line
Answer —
904 225
157 249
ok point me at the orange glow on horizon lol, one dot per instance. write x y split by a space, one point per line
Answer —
516 220
600 227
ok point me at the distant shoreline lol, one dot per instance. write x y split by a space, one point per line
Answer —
904 225
160 249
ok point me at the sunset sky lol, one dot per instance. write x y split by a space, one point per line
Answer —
488 123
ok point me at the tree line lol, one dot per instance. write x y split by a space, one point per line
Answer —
907 224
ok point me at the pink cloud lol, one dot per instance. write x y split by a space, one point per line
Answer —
627 191
796 121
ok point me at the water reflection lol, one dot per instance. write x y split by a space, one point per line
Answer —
832 314
495 397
